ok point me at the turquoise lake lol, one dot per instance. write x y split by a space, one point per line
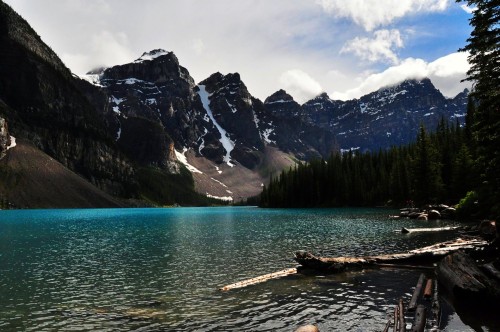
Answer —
160 269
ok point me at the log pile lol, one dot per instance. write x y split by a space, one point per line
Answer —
423 313
422 257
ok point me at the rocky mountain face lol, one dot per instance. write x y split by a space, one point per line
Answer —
388 117
218 118
41 103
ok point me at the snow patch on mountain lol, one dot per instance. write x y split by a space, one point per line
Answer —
181 156
231 106
148 56
215 180
265 135
225 140
12 143
222 198
94 79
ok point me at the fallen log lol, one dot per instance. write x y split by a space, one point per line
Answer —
465 281
435 309
401 317
260 279
405 230
416 293
426 256
420 319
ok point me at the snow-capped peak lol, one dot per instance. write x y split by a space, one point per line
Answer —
148 56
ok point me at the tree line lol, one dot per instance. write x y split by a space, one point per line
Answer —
448 165
431 170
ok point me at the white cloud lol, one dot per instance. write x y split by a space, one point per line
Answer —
445 73
260 39
198 46
379 49
104 49
299 84
374 13
467 9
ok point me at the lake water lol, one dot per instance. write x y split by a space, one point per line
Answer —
160 269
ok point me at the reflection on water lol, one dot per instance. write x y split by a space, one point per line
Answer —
159 269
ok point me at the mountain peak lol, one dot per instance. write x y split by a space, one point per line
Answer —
151 55
280 96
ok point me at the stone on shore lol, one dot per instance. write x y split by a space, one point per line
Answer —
307 328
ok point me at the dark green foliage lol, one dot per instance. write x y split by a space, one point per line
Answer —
430 170
427 175
163 189
468 206
484 57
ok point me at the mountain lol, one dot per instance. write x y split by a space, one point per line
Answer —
157 114
145 131
388 117
63 118
41 103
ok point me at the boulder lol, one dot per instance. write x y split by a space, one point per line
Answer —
488 229
434 214
449 213
307 328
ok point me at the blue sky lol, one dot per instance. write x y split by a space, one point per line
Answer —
346 48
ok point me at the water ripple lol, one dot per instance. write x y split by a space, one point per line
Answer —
159 269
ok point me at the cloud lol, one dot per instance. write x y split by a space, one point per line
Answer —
379 49
299 84
467 9
105 49
445 73
371 14
198 46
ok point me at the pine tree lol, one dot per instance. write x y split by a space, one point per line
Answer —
426 170
484 57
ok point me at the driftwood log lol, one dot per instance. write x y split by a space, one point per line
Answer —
423 256
466 281
405 230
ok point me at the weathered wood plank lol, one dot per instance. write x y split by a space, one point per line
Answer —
260 279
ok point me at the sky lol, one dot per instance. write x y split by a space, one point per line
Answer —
346 48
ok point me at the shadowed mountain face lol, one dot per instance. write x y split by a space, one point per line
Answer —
150 114
42 103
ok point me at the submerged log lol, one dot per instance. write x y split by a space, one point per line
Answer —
426 255
465 281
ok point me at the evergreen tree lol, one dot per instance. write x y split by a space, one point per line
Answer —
426 170
484 57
